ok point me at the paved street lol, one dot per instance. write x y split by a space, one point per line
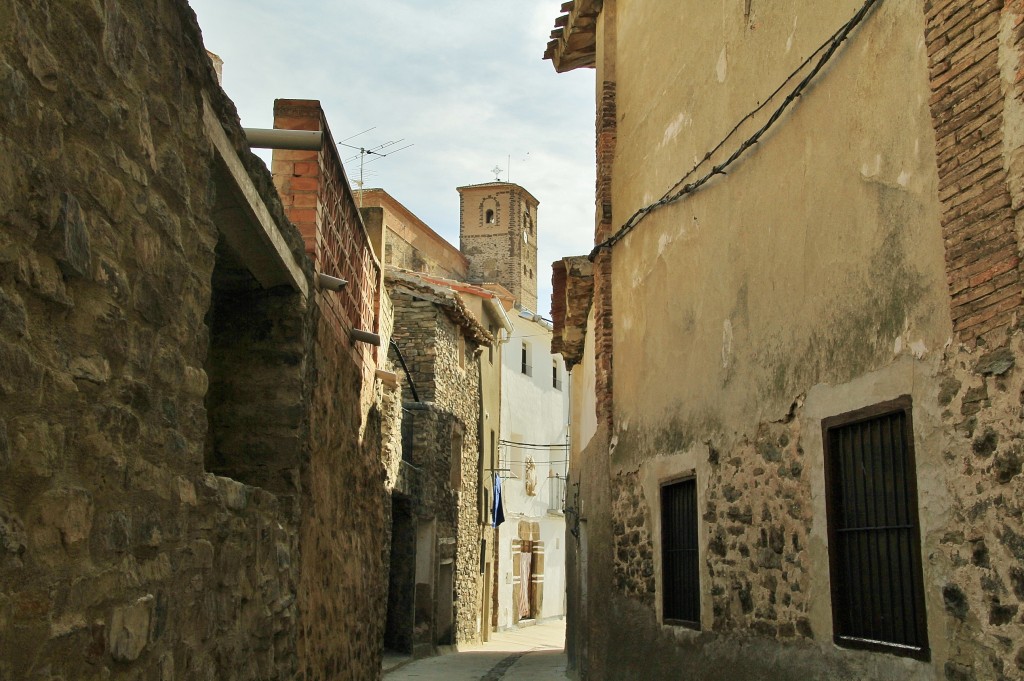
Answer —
533 653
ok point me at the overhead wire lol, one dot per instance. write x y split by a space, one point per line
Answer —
826 51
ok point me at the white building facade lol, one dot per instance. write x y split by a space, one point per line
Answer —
534 449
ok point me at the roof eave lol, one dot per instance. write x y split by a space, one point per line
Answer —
573 41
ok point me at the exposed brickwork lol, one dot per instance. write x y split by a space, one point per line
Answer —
606 139
606 136
319 201
968 104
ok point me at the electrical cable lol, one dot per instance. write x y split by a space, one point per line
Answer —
531 445
829 47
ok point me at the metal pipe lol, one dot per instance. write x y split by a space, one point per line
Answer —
405 368
365 337
295 140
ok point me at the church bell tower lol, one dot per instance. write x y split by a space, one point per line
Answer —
498 236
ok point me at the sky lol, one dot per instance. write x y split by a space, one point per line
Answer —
462 81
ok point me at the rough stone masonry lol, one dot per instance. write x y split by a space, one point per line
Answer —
144 532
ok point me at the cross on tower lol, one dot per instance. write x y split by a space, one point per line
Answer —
497 171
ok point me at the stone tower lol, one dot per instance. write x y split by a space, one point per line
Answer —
498 235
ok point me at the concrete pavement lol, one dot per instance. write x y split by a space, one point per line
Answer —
534 653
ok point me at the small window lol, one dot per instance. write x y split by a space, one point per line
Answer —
489 217
556 382
874 532
462 350
680 557
456 460
527 369
490 349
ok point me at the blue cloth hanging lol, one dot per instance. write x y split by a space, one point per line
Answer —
498 516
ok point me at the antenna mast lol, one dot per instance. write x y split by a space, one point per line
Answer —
378 151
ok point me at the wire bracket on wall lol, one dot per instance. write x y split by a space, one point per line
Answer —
684 187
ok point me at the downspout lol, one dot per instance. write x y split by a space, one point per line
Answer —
480 431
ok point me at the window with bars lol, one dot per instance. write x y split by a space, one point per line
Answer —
874 531
680 560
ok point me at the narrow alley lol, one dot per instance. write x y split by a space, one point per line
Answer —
716 374
536 653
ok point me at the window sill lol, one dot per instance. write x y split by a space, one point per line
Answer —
682 624
914 652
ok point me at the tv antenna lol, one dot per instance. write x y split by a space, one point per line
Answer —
382 150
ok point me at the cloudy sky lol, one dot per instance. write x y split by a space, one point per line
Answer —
460 80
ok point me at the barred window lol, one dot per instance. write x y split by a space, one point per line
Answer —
874 531
680 559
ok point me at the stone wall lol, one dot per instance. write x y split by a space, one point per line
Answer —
450 392
631 540
121 555
256 368
415 324
345 522
982 547
758 520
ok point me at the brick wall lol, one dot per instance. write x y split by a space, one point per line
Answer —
606 136
319 201
968 106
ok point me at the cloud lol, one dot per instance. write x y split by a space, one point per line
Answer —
461 80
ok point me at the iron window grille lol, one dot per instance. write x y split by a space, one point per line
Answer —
874 531
680 559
